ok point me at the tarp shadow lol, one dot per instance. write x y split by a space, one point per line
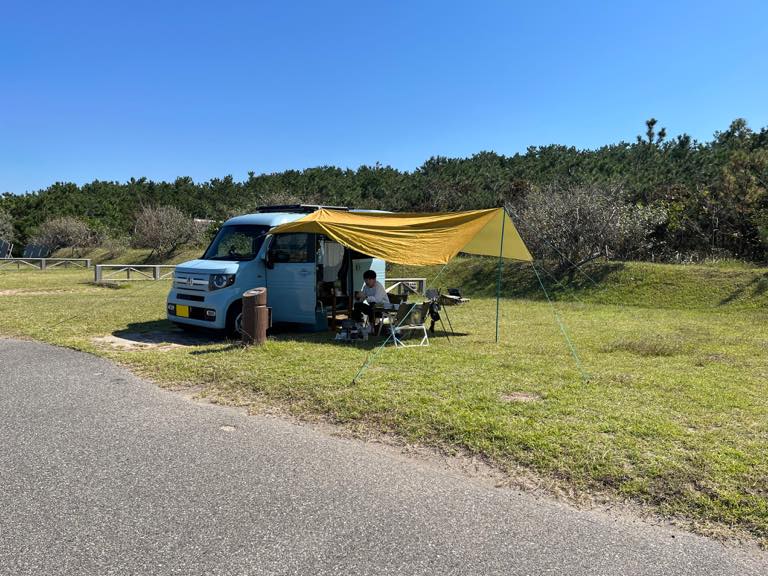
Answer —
163 334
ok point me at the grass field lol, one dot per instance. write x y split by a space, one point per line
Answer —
674 413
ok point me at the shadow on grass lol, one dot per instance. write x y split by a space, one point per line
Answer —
758 285
157 333
231 347
163 332
372 343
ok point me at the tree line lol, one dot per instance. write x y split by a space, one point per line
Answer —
687 199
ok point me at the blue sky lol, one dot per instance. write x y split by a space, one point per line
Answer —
110 90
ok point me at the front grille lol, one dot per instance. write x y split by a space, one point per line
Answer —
193 297
194 282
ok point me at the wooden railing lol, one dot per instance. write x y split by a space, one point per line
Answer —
45 263
405 285
125 272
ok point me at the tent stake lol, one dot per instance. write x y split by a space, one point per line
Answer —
498 281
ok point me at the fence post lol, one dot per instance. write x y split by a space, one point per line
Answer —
156 273
42 263
97 273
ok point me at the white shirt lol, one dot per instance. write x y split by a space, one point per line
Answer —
376 295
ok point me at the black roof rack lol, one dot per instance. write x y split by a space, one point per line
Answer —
302 208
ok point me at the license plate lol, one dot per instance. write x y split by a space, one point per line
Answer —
182 310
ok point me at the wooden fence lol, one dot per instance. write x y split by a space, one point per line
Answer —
125 272
44 263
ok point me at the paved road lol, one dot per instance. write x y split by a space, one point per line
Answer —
102 473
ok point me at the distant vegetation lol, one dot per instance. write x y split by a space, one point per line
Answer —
666 199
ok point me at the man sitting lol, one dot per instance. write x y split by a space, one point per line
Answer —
370 294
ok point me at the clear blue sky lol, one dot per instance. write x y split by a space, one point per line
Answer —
109 90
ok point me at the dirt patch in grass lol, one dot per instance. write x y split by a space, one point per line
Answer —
160 340
23 292
520 397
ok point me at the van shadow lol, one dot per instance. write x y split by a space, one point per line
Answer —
157 333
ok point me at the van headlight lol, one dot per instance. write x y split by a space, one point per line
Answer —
219 281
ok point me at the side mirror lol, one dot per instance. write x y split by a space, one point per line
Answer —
269 258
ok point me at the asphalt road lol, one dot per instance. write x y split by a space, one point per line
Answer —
102 473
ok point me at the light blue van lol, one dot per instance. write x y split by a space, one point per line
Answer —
305 274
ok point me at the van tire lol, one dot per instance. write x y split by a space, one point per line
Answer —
230 328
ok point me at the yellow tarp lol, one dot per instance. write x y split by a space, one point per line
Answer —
417 239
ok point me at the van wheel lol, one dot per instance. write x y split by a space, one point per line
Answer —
230 329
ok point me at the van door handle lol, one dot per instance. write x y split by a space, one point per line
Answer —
305 273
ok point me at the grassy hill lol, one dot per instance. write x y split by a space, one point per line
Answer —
627 283
643 284
130 256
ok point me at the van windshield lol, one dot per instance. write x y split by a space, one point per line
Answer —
237 242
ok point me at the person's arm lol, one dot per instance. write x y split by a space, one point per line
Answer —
381 294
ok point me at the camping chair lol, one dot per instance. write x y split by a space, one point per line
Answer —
409 320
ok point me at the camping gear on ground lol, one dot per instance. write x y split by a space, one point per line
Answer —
453 298
255 318
352 331
433 299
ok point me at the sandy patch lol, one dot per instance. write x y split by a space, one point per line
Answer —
160 340
520 397
23 292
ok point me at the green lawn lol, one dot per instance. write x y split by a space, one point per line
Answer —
674 414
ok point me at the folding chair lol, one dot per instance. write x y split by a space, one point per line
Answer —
410 321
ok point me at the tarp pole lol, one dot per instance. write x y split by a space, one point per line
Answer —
498 281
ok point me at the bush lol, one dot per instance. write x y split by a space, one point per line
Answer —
7 231
164 229
115 245
574 225
63 232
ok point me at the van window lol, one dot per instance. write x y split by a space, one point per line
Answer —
236 242
294 248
